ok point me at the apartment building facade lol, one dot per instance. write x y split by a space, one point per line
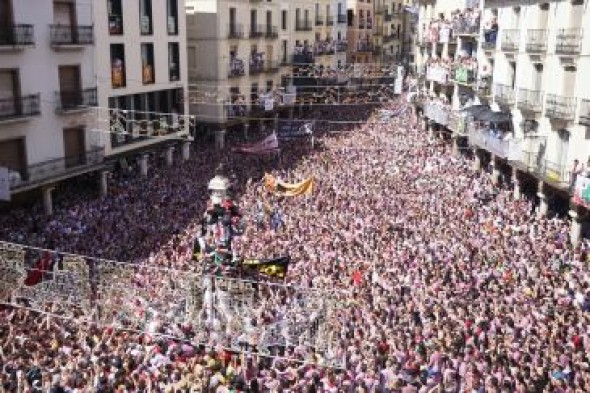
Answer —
361 19
330 44
142 74
392 31
48 88
234 55
527 65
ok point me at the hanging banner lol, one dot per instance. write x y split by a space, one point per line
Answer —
582 191
4 184
268 144
280 188
399 80
268 104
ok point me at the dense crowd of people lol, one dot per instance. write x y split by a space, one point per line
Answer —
444 282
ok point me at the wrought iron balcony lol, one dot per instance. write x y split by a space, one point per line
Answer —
529 100
504 94
377 50
62 35
510 40
319 20
388 17
378 31
235 32
58 168
569 41
330 20
271 32
256 68
236 68
536 40
463 28
256 31
560 107
68 100
364 47
342 18
20 107
17 35
303 25
341 46
584 112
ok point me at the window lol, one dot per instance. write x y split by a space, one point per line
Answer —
172 17
115 11
145 17
284 20
269 86
118 66
254 93
174 61
147 64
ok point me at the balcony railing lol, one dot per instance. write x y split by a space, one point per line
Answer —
319 20
303 56
364 46
236 68
377 49
560 107
20 107
436 113
71 35
464 28
484 139
235 32
536 40
271 32
73 100
504 94
464 76
330 20
457 123
303 25
510 40
256 67
17 35
362 23
529 100
256 31
549 171
57 168
584 112
341 46
378 31
388 17
342 18
569 41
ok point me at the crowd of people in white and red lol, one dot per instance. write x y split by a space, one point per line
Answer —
445 282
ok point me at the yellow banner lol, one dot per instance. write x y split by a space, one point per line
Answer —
280 188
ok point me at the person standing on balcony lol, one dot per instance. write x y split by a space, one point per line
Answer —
576 170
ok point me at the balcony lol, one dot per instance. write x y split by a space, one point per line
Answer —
235 32
503 94
256 65
457 123
330 20
536 40
16 36
362 23
303 25
341 46
380 9
490 37
17 108
569 42
377 50
364 46
58 169
71 36
319 20
530 100
271 67
256 31
378 31
303 55
271 32
510 40
387 38
438 74
342 19
483 138
68 101
388 17
464 76
548 171
560 107
464 28
584 112
236 68
436 113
